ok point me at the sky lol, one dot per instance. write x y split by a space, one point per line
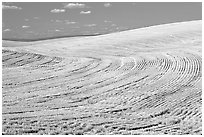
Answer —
34 20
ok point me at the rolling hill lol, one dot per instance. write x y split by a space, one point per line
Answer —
142 81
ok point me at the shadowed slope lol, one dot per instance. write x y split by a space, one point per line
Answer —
144 81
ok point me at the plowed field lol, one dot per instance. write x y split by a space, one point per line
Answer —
142 81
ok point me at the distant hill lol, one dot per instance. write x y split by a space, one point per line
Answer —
45 38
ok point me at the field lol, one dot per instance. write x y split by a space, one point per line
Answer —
142 81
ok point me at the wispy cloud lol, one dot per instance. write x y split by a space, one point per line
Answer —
85 12
90 25
74 5
57 10
69 22
7 30
107 21
63 21
58 20
11 7
25 26
36 18
57 30
107 5
52 20
31 32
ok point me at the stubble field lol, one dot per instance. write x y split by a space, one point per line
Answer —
143 81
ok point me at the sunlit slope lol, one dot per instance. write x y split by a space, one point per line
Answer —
143 81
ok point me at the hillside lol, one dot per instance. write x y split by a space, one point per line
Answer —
142 81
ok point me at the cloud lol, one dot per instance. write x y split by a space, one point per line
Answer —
74 5
107 5
11 7
107 21
36 18
90 25
25 26
63 21
58 21
70 22
85 12
57 10
6 30
57 30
